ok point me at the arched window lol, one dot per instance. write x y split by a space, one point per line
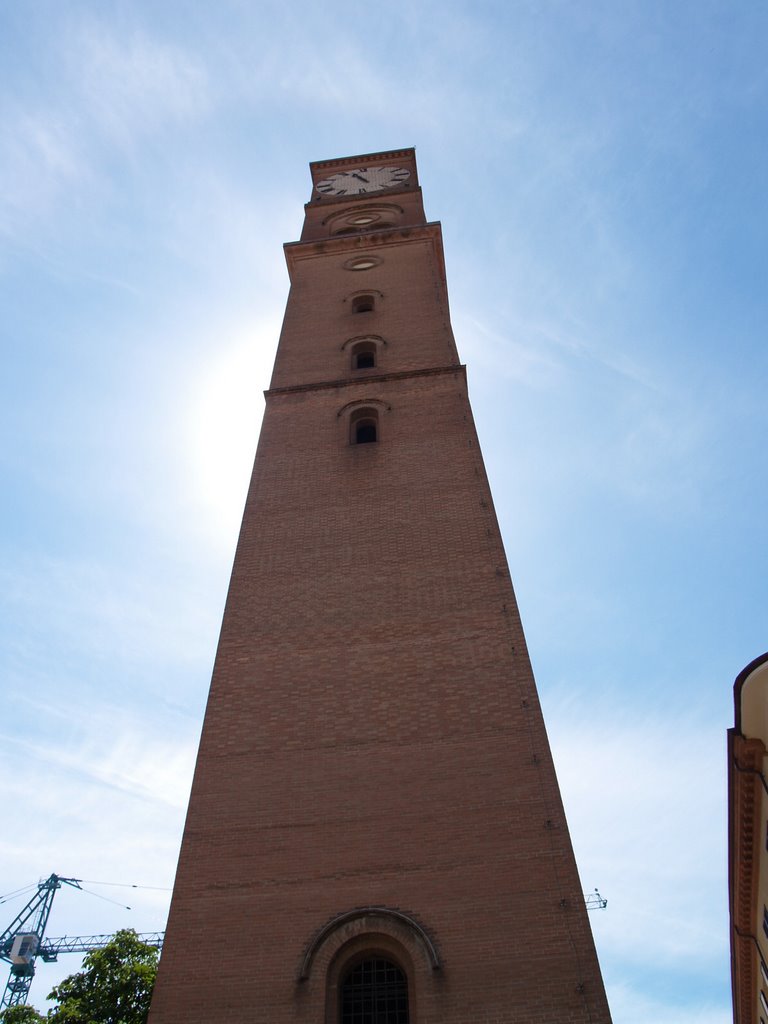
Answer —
362 304
364 426
374 991
364 355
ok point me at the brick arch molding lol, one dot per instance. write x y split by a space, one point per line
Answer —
381 920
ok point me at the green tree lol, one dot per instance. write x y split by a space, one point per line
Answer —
21 1015
114 986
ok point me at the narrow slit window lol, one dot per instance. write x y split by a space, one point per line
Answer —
364 355
364 427
365 432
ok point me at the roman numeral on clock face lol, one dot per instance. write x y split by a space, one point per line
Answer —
361 180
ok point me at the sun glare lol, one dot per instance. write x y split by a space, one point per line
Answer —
225 416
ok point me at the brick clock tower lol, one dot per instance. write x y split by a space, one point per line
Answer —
375 833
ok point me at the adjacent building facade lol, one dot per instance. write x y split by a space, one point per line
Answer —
748 844
375 832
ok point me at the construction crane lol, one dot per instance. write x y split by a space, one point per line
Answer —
595 901
24 940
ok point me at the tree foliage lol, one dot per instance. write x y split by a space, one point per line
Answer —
114 986
21 1015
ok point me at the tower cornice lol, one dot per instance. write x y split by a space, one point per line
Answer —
350 161
296 251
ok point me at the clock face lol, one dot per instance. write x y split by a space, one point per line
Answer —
362 179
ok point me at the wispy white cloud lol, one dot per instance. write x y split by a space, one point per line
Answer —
89 813
633 1005
636 431
108 748
533 365
318 64
224 227
107 90
132 84
659 457
41 162
638 810
108 612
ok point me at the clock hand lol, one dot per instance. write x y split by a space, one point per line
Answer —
360 178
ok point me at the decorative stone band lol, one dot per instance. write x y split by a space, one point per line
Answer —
378 378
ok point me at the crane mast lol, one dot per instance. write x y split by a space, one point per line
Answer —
24 940
20 942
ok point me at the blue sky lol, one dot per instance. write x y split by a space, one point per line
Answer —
599 169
